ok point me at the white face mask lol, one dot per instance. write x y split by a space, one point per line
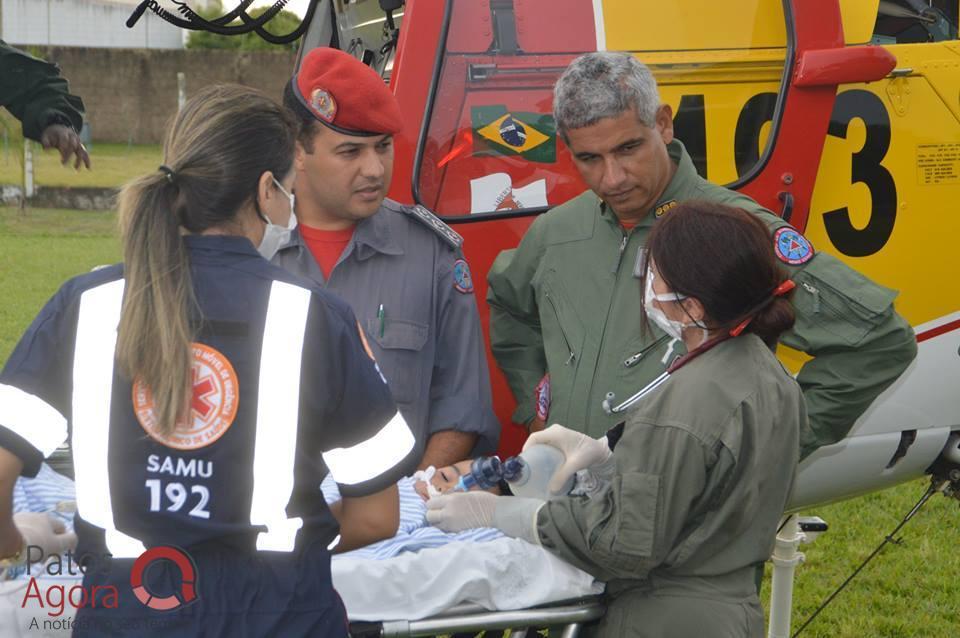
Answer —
275 235
672 327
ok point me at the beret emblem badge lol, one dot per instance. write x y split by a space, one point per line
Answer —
323 104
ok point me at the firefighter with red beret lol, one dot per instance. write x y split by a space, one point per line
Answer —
399 267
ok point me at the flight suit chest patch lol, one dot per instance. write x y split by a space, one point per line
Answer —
664 208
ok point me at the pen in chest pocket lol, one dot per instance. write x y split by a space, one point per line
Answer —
382 316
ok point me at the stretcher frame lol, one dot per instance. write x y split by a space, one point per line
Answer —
567 616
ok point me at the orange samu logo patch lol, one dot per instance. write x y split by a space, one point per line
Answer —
213 405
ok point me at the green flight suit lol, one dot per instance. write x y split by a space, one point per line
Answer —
35 93
703 471
567 301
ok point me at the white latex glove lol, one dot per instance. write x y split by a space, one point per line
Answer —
44 531
516 516
513 515
462 510
579 450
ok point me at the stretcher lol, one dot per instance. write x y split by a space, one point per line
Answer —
460 586
564 616
568 618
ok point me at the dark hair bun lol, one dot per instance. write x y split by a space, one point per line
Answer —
777 317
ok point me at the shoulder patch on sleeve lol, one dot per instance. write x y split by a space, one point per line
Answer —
462 279
435 224
542 395
791 247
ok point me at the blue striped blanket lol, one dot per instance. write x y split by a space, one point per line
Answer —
414 533
54 493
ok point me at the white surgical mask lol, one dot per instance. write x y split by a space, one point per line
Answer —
672 327
275 235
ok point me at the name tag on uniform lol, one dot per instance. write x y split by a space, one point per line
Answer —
640 264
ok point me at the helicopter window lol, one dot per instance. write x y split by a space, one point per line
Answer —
362 31
490 146
913 21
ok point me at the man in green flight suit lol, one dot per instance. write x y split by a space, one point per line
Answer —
565 322
35 93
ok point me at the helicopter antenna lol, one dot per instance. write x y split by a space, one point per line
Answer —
191 20
947 486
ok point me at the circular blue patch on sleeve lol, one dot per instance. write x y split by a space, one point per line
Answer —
462 280
791 247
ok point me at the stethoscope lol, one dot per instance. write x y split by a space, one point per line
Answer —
608 400
608 407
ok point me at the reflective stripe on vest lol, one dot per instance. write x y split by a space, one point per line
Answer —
278 407
278 404
371 458
94 354
38 422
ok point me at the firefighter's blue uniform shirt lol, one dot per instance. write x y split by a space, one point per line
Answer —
411 289
246 478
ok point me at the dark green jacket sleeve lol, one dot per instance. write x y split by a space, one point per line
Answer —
630 527
859 344
35 93
515 337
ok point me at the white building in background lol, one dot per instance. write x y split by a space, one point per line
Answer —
88 23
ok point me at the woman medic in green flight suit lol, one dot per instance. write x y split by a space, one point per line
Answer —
700 471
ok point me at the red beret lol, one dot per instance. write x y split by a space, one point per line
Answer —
346 95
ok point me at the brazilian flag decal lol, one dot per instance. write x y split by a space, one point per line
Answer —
497 131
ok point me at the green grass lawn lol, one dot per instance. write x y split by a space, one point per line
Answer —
41 249
112 165
911 590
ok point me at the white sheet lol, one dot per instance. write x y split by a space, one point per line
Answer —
500 575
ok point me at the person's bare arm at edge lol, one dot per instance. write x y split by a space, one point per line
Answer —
367 519
10 538
446 447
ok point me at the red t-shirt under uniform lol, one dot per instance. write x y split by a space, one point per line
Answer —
326 246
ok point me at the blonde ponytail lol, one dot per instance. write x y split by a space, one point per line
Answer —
217 148
154 343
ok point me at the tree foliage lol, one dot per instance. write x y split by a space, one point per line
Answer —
281 24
